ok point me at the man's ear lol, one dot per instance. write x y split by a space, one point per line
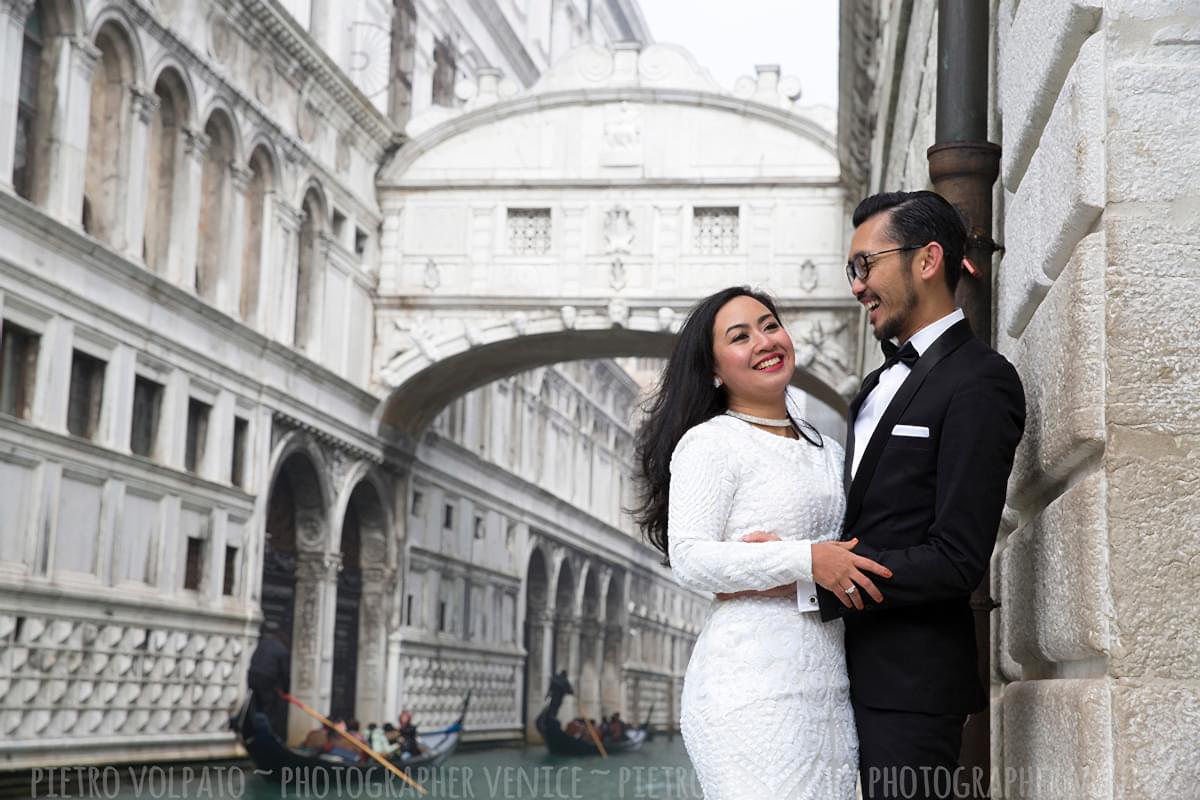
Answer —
933 261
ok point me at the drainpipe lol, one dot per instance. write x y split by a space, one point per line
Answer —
963 165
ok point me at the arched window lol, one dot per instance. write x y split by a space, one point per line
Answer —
27 103
256 219
108 137
163 158
214 205
313 211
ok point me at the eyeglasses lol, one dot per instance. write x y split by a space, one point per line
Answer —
860 266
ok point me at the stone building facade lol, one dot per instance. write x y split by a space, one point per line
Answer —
189 247
521 561
1096 669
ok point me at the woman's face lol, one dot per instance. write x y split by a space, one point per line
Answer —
753 354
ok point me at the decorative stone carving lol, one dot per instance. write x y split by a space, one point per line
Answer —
520 322
145 102
666 318
617 276
222 39
808 276
622 136
72 680
310 529
569 316
345 142
618 312
433 276
262 80
819 345
618 231
307 120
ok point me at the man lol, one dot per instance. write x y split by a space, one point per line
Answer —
931 439
270 673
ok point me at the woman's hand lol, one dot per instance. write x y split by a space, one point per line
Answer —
788 590
837 569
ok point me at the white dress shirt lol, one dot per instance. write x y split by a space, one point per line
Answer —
889 383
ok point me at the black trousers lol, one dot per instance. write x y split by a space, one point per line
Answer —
907 755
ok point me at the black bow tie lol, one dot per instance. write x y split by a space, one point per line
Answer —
892 355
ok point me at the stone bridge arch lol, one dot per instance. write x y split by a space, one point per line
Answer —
584 216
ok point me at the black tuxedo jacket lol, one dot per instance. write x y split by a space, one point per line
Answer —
929 509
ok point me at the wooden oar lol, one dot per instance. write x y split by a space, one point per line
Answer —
591 731
395 770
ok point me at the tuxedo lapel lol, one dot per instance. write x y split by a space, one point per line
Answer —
945 344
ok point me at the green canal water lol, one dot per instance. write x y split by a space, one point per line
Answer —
659 771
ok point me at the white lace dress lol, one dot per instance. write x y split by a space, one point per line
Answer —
765 711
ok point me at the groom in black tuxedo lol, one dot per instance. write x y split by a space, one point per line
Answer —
930 445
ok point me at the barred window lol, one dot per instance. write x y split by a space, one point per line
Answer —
147 405
18 369
715 230
529 231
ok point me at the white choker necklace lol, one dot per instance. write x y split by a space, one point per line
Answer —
770 423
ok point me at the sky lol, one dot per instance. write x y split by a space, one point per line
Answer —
729 38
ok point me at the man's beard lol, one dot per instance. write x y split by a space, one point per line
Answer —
897 323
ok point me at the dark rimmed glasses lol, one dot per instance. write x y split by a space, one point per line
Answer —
860 266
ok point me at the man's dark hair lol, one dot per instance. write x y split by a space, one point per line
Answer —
918 218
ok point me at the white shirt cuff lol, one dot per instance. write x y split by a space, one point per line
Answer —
806 596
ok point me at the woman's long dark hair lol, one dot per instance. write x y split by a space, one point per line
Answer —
685 398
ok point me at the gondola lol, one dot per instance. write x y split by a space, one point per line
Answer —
560 743
276 762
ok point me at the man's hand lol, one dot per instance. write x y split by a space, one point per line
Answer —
837 569
788 590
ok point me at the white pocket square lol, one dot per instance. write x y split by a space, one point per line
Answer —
916 431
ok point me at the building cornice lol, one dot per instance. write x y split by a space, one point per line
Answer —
535 102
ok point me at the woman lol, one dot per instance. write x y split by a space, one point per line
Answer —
744 500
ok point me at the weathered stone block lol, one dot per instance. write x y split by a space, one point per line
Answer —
1154 132
1063 192
1154 492
1057 741
1060 357
1056 602
1152 294
1155 729
1035 56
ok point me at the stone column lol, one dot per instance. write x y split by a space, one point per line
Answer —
316 592
144 104
181 258
372 638
13 14
591 656
72 108
612 695
229 292
316 301
540 667
282 266
566 648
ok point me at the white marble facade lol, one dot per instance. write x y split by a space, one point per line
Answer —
1095 668
189 257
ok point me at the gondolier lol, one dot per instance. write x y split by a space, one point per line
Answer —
269 674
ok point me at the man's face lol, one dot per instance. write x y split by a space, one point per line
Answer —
889 292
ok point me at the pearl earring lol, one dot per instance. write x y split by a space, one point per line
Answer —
717 383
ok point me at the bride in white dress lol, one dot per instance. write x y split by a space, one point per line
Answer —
747 501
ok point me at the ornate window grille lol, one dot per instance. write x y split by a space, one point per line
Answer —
715 230
529 231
